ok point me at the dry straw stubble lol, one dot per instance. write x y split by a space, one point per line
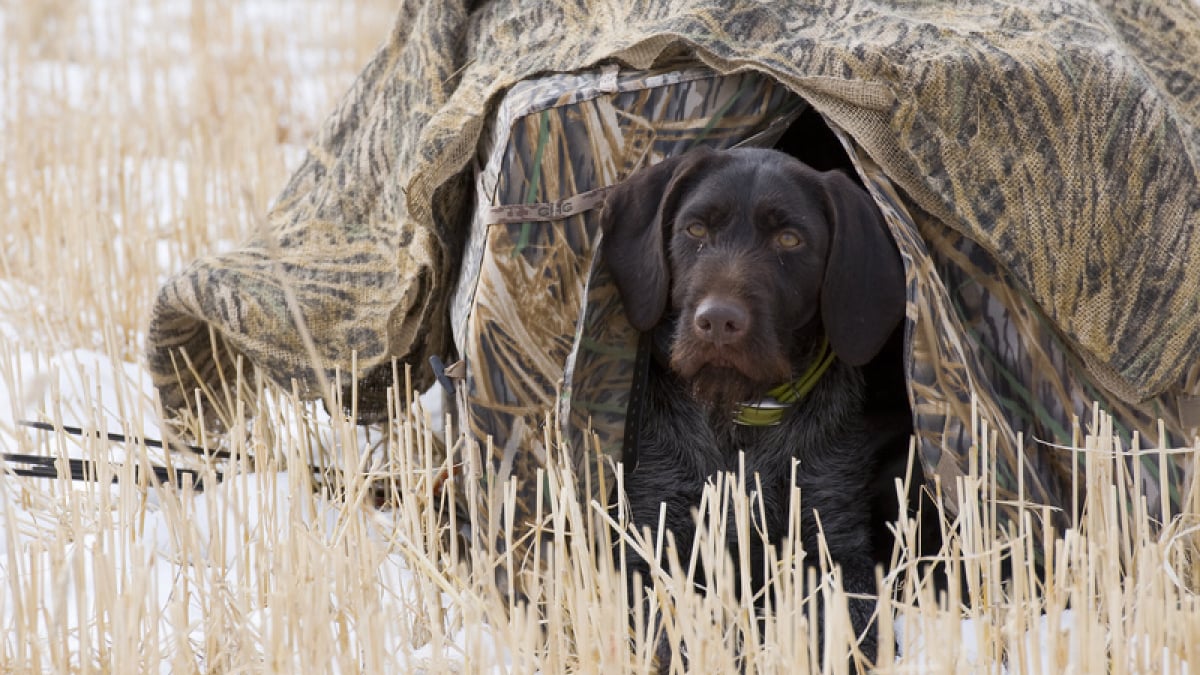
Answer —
132 135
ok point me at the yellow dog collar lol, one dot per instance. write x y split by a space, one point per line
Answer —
769 410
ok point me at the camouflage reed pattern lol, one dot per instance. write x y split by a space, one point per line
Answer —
519 311
1037 163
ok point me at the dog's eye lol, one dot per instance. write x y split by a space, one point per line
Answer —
696 230
788 239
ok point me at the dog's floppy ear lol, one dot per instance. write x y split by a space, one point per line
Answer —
862 297
636 217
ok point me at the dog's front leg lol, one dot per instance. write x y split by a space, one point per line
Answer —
858 581
658 497
831 492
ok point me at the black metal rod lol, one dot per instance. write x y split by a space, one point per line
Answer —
40 466
121 438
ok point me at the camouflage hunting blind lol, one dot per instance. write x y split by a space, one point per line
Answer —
1036 166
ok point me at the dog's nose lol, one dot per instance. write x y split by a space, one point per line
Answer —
721 321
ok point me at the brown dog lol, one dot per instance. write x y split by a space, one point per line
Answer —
759 278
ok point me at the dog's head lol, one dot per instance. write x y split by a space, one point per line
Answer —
756 253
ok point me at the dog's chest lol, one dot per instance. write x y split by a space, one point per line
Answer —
682 434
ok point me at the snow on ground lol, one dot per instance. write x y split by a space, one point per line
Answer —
97 391
224 524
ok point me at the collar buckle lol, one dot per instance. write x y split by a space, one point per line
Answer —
766 412
769 410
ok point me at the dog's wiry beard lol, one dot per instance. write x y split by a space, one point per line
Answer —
721 388
719 379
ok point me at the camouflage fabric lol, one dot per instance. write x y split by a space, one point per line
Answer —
538 324
1037 163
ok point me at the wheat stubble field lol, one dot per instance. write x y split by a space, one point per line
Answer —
136 136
